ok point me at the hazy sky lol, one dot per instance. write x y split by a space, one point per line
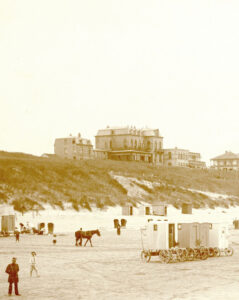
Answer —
79 65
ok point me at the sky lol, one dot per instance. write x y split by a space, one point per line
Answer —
76 66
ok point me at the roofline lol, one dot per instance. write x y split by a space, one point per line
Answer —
127 134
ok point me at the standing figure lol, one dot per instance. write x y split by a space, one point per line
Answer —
54 239
80 237
17 234
33 264
118 229
12 270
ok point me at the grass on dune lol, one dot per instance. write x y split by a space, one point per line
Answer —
28 181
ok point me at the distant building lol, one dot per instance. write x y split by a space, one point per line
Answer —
48 155
182 158
226 161
74 148
129 144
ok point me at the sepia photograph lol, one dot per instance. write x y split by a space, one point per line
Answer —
119 149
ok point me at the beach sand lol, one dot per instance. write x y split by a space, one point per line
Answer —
112 269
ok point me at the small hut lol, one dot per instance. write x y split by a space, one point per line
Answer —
186 208
144 210
127 210
8 223
50 228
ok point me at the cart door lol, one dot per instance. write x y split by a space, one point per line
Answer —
204 234
171 235
194 235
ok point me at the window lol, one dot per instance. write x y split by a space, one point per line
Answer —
155 227
170 155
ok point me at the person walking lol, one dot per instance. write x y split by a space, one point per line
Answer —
12 271
17 233
118 229
33 264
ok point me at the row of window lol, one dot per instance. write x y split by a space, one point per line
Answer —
182 156
226 163
136 144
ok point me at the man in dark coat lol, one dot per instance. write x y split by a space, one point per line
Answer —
12 270
17 234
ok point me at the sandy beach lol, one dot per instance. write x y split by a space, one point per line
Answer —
112 269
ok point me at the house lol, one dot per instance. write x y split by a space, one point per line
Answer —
129 144
227 161
48 155
182 158
74 147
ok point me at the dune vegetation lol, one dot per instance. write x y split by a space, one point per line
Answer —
28 182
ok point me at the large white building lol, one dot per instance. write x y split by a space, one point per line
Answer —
74 147
129 143
182 158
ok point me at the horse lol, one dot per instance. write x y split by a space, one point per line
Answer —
85 235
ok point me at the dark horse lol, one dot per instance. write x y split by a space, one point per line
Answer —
85 235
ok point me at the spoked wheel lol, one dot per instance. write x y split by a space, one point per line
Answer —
197 253
229 251
164 256
217 252
145 256
211 252
173 255
203 253
190 254
182 254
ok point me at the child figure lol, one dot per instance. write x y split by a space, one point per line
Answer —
33 264
54 239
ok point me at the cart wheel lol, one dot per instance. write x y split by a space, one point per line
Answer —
229 251
211 252
145 256
217 252
182 254
164 256
190 254
203 253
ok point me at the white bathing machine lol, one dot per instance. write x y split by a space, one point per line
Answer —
158 235
219 240
218 235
